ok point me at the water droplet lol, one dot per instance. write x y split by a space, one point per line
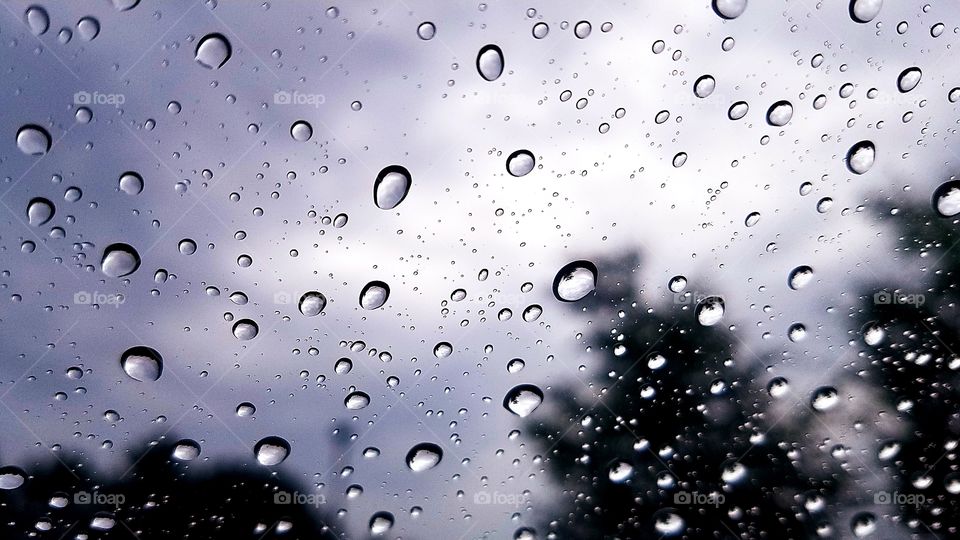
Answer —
356 400
37 20
187 246
909 79
677 284
800 277
946 199
391 187
620 471
797 332
442 349
424 456
312 303
119 260
33 140
704 86
710 310
752 219
780 113
213 51
490 62
246 409
343 366
729 9
40 211
863 11
738 110
374 295
426 31
271 451
523 399
380 523
131 183
88 28
873 334
540 30
245 329
667 522
515 365
301 131
863 524
142 363
186 450
861 156
575 281
824 398
582 29
458 295
12 477
520 163
532 313
778 387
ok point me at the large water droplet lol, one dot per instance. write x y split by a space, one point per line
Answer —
301 131
523 399
37 20
245 329
374 295
520 163
863 11
620 471
380 523
800 277
710 311
142 363
12 477
729 9
271 451
824 398
490 62
356 400
946 199
575 281
213 51
391 186
119 260
667 522
40 211
863 524
704 86
861 156
778 387
909 79
442 349
33 140
424 456
186 450
582 29
780 113
426 31
312 303
131 183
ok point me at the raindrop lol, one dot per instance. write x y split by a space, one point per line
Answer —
520 163
424 456
710 310
271 451
380 523
37 20
800 277
729 9
142 363
677 284
119 260
246 409
620 471
515 365
863 524
356 400
33 140
490 62
909 79
391 187
582 29
824 398
312 303
738 110
575 281
523 399
797 332
374 295
780 113
88 28
213 51
245 329
946 199
704 86
778 387
861 156
540 30
667 522
131 183
186 450
40 211
442 349
301 131
426 31
873 334
11 477
752 219
863 11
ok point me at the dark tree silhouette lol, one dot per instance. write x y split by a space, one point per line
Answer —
160 497
688 440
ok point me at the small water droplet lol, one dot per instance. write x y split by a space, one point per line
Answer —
490 62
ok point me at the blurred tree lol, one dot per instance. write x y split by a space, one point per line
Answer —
160 497
673 439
